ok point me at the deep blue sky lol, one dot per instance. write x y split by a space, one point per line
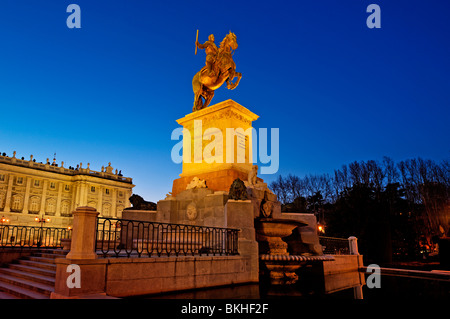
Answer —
112 90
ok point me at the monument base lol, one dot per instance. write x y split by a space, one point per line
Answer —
220 180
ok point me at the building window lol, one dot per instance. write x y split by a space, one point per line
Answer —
37 183
35 203
52 185
93 189
66 187
106 210
19 180
51 206
120 194
16 203
2 200
107 191
65 207
2 178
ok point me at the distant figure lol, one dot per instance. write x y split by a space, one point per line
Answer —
109 168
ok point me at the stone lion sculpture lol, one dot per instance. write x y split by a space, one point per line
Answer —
140 204
238 191
252 180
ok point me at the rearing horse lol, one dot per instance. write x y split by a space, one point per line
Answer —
204 85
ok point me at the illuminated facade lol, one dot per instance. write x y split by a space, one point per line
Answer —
29 189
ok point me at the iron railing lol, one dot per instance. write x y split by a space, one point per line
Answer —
122 237
334 246
17 236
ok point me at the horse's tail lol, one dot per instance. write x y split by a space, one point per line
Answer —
196 85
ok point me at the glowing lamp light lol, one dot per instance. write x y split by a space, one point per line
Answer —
321 229
42 220
4 220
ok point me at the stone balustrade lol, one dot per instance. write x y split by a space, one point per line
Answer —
53 167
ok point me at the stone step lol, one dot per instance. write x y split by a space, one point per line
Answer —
56 251
34 270
4 295
41 259
48 255
37 264
20 286
28 276
17 292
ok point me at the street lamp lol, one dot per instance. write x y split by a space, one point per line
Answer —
42 221
3 220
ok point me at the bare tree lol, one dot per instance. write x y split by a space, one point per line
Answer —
390 170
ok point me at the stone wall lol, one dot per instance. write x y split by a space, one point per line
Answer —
139 276
121 277
341 273
156 275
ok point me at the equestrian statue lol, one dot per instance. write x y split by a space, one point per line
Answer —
219 68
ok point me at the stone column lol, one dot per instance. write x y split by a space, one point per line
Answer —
83 194
100 199
114 203
83 233
127 198
43 198
7 208
27 196
58 200
76 195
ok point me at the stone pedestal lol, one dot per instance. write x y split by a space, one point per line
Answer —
217 146
83 234
91 272
239 214
199 206
92 278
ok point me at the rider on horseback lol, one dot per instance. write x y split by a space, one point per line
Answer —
211 52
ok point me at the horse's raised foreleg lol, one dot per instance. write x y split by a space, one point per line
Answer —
230 84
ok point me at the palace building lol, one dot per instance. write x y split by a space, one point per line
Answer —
29 189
